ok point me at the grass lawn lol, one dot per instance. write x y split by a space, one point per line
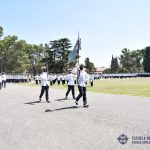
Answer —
133 86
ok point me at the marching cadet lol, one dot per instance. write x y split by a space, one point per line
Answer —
24 78
82 77
63 79
54 78
36 79
0 81
70 78
51 79
29 78
44 84
4 80
91 79
58 79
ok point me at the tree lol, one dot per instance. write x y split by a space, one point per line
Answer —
35 56
146 59
127 61
13 57
107 71
1 31
89 65
6 51
58 54
137 55
123 70
114 65
18 58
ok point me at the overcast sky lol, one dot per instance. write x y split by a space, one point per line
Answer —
105 26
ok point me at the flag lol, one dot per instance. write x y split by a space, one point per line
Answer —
75 69
75 52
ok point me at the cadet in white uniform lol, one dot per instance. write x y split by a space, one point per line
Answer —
54 78
50 77
58 79
70 78
44 84
82 77
91 79
63 79
4 80
0 81
36 79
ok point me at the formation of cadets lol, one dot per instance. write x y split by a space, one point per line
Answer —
9 78
62 78
81 78
120 75
19 78
53 78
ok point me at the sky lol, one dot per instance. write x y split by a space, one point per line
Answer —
105 26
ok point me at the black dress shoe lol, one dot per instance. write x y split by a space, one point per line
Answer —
47 101
85 104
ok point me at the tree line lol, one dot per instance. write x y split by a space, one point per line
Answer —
134 61
18 56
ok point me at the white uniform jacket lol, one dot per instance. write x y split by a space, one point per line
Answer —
70 78
82 78
44 79
3 77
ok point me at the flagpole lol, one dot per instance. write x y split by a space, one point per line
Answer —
78 61
74 55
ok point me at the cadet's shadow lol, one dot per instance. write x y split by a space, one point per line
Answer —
32 103
63 108
62 99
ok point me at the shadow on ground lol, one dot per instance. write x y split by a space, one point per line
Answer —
32 103
62 99
66 108
63 108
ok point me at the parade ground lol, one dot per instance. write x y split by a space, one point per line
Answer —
26 124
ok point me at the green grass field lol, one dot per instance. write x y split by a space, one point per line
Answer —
133 86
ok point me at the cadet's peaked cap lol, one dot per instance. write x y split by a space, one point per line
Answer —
69 69
43 68
82 65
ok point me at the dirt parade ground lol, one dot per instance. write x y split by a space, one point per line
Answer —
111 122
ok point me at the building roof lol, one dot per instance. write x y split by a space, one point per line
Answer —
100 69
